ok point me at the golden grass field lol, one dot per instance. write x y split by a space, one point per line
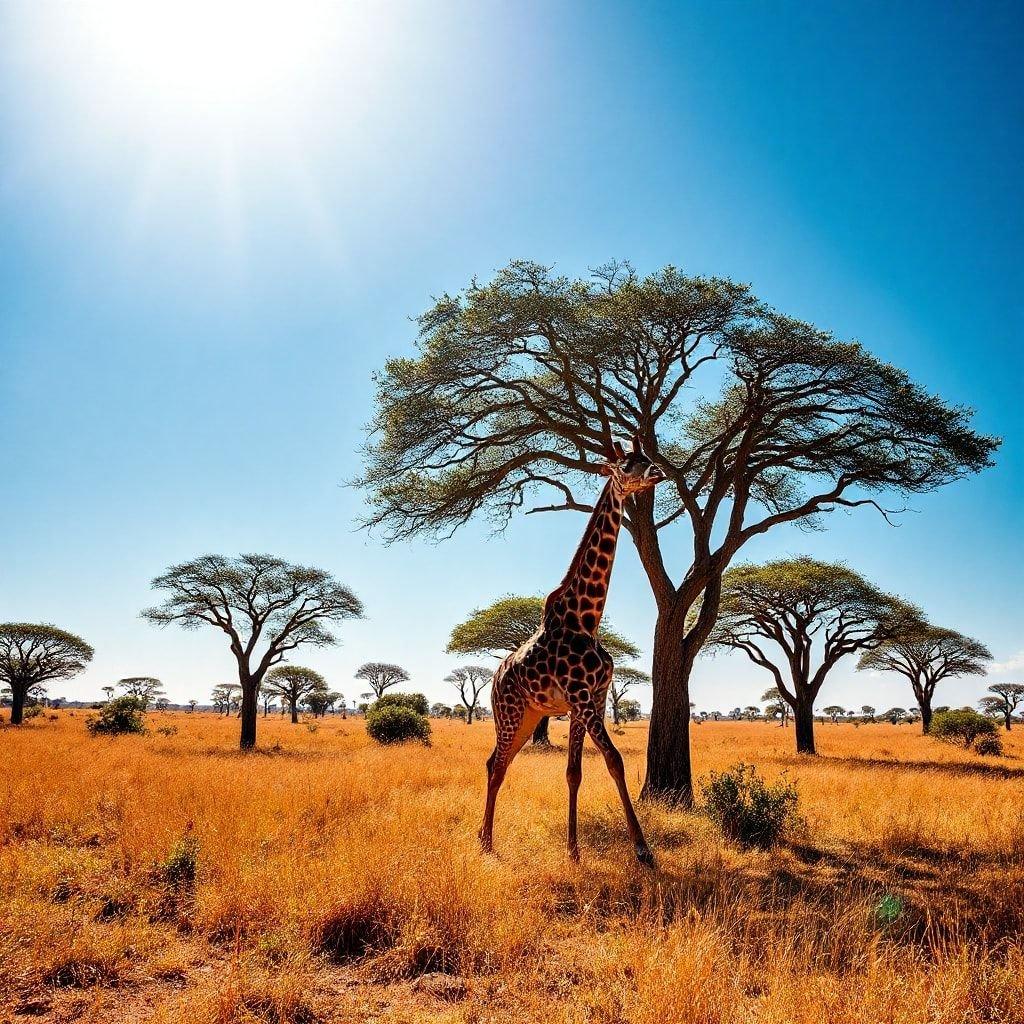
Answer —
340 881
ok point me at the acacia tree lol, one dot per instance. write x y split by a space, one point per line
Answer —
33 654
776 705
146 688
791 604
519 386
224 697
868 712
624 678
834 711
292 684
266 607
895 715
506 624
1005 699
926 655
470 681
192 704
380 676
319 700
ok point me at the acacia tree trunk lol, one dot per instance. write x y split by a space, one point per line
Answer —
540 734
295 711
17 704
669 774
249 711
925 704
469 715
803 716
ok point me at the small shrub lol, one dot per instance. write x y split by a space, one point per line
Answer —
167 730
413 701
963 727
395 724
746 809
988 746
120 716
31 711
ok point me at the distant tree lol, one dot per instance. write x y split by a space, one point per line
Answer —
267 698
192 705
162 704
461 712
868 712
758 420
34 654
293 684
1005 699
751 712
895 715
319 700
777 707
796 605
470 681
255 600
146 688
380 676
629 710
834 711
624 678
925 655
223 697
109 691
506 624
440 710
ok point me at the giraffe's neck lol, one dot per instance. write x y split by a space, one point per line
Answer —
578 603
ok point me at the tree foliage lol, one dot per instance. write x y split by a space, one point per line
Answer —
146 688
624 678
266 607
292 684
519 385
34 654
962 726
1004 700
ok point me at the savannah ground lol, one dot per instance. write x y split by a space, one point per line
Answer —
340 881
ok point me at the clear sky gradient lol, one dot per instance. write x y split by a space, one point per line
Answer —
193 294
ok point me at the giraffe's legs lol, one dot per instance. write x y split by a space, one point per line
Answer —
512 735
573 776
613 760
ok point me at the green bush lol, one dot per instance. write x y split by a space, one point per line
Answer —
413 701
989 746
746 809
120 716
396 724
963 726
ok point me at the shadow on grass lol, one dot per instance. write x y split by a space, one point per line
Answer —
983 768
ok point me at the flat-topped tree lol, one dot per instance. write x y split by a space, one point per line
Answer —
519 386
292 684
506 624
470 681
1004 700
381 676
34 654
624 678
264 605
776 705
926 655
796 618
146 688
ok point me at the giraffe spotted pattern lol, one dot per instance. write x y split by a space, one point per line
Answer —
563 669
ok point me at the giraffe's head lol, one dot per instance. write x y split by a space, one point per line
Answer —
631 470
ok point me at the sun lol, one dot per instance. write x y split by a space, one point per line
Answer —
201 59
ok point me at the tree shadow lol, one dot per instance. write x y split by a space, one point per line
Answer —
992 771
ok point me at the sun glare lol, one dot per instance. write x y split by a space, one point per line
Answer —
215 58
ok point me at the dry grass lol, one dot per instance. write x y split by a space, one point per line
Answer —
338 881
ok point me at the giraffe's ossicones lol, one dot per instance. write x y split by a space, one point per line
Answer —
563 669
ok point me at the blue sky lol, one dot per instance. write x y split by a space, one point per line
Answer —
194 291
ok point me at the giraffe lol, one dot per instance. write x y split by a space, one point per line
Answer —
562 668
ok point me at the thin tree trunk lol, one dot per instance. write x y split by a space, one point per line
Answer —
803 716
540 734
249 712
669 774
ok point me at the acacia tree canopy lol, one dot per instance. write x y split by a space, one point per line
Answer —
780 613
926 655
381 675
33 654
470 681
623 679
292 683
1004 701
506 624
266 607
519 386
146 688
